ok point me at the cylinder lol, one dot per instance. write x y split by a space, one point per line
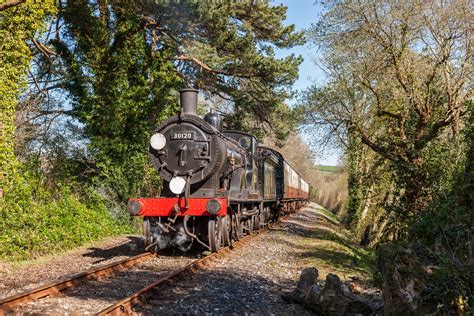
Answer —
188 99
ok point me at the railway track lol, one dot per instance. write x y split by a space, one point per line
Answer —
125 306
9 303
25 301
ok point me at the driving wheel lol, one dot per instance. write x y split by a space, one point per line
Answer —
226 230
214 233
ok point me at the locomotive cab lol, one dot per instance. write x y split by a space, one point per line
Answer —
249 143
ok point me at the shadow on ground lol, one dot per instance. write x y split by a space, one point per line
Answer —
321 241
214 292
129 248
134 246
312 238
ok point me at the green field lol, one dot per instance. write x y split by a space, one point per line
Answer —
328 168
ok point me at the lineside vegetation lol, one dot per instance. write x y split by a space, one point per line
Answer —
399 102
82 84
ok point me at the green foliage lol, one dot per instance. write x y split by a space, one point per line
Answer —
441 280
235 47
388 88
38 220
277 125
390 102
123 64
448 231
121 88
17 26
328 168
105 74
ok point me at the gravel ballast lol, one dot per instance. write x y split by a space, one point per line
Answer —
248 280
93 296
17 278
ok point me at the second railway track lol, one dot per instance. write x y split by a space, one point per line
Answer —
9 304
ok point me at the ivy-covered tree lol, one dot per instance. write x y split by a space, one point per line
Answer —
399 97
19 21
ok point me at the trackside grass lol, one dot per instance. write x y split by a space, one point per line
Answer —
332 250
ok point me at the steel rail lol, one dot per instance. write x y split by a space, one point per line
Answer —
7 304
125 306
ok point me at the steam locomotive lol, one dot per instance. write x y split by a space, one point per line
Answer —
218 185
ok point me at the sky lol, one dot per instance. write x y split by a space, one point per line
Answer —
302 13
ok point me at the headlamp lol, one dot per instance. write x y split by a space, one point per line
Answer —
134 207
158 141
177 185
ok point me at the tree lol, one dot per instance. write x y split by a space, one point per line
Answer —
121 63
400 78
19 21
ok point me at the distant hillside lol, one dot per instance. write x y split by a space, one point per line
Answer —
328 168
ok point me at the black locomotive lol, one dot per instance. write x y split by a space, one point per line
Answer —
218 185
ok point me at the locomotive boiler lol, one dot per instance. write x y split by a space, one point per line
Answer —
218 185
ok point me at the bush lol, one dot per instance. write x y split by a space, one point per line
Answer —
36 220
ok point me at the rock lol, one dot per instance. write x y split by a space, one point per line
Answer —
314 293
305 284
335 298
308 278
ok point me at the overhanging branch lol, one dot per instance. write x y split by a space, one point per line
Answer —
9 4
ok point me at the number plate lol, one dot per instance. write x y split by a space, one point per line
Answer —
182 135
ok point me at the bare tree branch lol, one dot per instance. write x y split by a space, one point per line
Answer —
10 3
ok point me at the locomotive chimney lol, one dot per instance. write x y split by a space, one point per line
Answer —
188 99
